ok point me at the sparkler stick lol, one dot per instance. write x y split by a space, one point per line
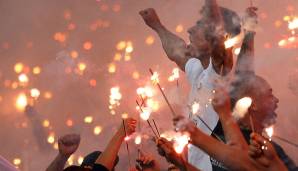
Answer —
147 120
156 127
251 122
286 141
164 96
208 127
129 160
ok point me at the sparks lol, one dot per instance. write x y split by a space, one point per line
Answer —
269 132
241 107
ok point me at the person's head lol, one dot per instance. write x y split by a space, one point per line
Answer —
76 168
91 158
264 103
198 38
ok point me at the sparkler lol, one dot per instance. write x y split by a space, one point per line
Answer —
140 107
163 94
128 152
269 132
174 76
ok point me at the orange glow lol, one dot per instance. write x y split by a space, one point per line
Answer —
87 45
69 122
149 40
82 66
18 67
88 119
74 54
48 95
97 130
179 28
36 70
92 83
117 57
135 75
23 78
121 45
112 68
116 8
21 102
46 123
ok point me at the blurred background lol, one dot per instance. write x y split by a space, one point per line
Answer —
83 64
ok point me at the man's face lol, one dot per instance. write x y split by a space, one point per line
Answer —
197 37
266 104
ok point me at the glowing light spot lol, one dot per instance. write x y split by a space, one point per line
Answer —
124 116
112 68
34 93
117 57
51 138
237 51
121 45
18 67
138 139
129 49
36 70
146 113
71 26
293 24
88 119
127 57
70 160
149 40
21 102
46 123
175 75
69 122
87 45
230 42
17 161
127 138
48 95
80 160
195 108
97 130
269 132
154 78
23 78
92 82
179 28
82 66
241 107
74 54
135 75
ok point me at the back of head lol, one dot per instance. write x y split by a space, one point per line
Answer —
76 168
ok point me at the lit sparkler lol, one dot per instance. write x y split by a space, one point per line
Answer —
21 102
269 132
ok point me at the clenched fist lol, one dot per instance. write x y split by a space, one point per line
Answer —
68 144
150 17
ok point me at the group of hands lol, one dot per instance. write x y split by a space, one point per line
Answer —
260 149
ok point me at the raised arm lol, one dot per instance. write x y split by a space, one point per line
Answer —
174 47
245 61
67 145
109 155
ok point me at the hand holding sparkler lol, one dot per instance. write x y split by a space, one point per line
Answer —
250 19
262 151
148 163
165 149
128 127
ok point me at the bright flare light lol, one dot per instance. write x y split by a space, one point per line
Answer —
154 78
269 132
17 161
195 107
175 75
241 107
23 78
18 67
88 119
232 41
97 130
21 102
293 24
180 141
146 113
34 93
138 139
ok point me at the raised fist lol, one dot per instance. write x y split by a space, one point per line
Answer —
68 144
150 17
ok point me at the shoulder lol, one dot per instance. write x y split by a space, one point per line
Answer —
193 68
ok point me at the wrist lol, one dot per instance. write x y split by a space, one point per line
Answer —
61 156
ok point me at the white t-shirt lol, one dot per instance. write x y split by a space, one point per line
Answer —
5 165
202 86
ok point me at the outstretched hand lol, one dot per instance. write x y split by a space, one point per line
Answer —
130 125
250 20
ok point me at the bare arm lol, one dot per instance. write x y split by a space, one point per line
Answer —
245 62
221 104
174 46
67 145
109 155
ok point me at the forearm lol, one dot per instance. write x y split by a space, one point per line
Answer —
220 151
109 155
232 131
58 163
246 55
